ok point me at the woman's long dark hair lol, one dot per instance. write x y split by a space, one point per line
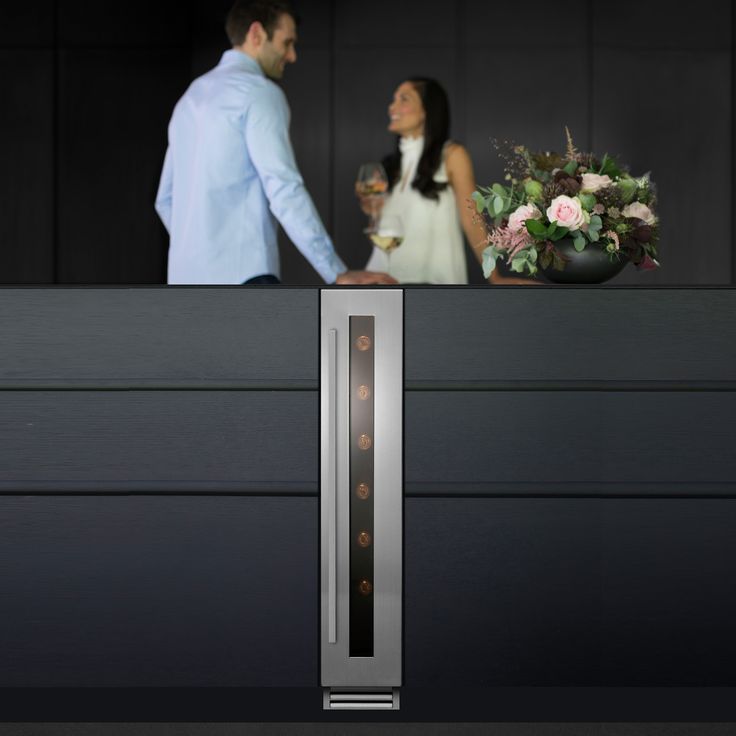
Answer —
436 134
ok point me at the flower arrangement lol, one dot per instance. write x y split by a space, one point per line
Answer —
549 197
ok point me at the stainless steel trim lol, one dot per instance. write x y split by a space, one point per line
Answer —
339 670
332 486
361 700
361 705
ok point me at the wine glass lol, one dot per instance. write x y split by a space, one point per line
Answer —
372 184
389 234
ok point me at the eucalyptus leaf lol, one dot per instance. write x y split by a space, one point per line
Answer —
517 264
500 190
497 206
480 201
595 223
489 261
594 236
578 241
570 168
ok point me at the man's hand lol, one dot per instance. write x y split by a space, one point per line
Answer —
365 277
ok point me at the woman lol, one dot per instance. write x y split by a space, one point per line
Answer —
431 182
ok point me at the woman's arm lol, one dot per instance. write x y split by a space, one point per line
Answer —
462 180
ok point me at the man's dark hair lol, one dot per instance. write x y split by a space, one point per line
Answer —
246 12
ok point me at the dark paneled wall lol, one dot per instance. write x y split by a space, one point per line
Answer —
87 101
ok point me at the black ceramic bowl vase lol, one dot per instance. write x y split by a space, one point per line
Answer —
592 265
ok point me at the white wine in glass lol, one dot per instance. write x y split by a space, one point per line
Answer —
372 183
389 234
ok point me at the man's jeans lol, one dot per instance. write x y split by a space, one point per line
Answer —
267 278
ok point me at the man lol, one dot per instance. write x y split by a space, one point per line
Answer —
230 172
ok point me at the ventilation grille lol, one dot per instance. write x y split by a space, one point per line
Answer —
344 699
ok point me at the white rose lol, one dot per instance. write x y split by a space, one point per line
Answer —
640 211
521 214
594 182
566 212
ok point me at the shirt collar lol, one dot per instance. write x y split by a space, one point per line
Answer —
241 60
411 147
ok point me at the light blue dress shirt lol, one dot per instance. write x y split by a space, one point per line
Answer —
228 175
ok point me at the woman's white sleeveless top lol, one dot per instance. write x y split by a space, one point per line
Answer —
433 249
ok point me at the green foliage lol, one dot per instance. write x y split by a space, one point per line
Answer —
536 229
490 255
627 188
541 232
555 232
588 201
480 201
594 228
530 178
533 189
609 167
525 260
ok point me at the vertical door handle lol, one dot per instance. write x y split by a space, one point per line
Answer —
332 487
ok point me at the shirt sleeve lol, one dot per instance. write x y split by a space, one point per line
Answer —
267 138
163 197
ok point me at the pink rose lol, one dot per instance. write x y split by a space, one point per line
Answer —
520 215
594 182
566 212
639 211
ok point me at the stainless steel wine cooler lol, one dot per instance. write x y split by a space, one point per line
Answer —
361 408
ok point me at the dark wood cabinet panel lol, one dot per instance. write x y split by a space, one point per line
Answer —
158 592
165 441
570 592
570 442
159 338
569 337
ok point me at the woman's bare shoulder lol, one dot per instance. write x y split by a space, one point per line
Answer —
456 156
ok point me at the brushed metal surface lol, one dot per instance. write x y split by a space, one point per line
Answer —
384 668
